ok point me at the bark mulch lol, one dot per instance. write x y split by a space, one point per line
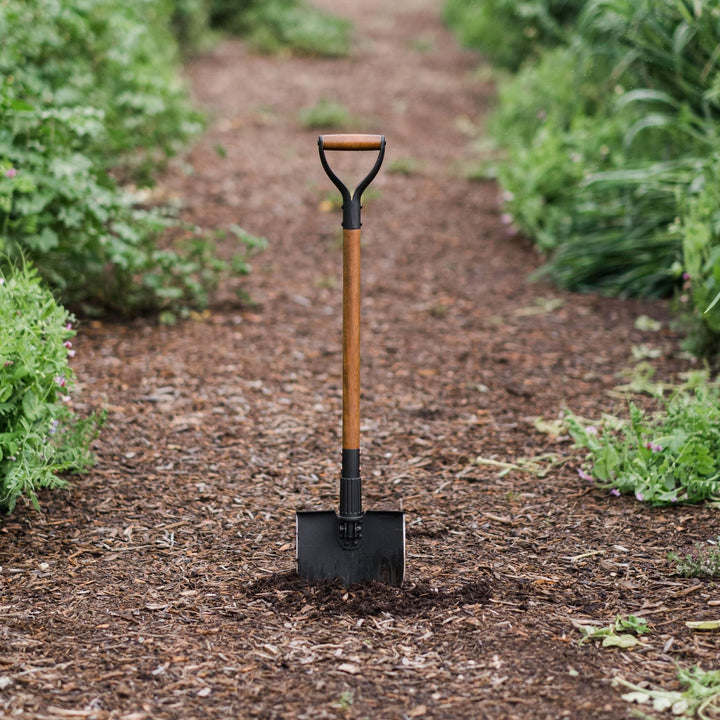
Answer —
162 585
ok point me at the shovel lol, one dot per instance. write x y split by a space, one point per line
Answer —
352 545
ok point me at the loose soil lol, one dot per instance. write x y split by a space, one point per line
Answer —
162 585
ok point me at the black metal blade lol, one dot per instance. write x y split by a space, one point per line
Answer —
380 554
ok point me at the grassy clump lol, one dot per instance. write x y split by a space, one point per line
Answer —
325 114
39 434
274 25
508 32
610 153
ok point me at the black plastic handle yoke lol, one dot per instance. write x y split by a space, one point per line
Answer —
351 204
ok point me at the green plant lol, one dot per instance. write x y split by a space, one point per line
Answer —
623 632
39 434
703 560
510 31
326 114
275 25
404 166
700 698
89 92
613 171
665 457
698 227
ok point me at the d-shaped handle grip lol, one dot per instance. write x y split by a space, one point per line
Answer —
351 142
351 203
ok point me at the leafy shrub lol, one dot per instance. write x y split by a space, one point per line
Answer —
610 139
273 25
510 31
39 435
115 62
190 23
86 87
670 456
698 228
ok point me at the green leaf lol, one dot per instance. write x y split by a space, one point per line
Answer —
622 641
30 405
703 625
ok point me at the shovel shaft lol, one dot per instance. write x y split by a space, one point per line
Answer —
351 339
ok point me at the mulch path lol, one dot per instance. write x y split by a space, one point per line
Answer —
162 585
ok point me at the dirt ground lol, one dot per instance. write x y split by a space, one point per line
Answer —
162 585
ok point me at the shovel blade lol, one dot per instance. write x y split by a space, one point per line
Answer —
379 556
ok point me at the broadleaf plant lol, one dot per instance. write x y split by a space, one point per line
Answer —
40 436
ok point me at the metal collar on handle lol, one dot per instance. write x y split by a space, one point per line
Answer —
351 204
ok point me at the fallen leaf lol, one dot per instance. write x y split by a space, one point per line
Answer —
704 625
623 641
349 668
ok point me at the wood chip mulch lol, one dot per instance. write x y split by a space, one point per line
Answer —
162 585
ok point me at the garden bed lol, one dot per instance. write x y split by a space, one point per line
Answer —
162 585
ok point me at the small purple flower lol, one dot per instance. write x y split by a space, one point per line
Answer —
61 380
2 281
615 492
591 430
11 173
54 426
653 446
67 344
506 219
71 353
639 496
686 276
68 326
584 476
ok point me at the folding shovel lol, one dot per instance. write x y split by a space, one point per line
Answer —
352 545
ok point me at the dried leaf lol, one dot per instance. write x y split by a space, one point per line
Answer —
703 625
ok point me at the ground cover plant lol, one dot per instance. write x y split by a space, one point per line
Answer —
669 456
40 436
702 560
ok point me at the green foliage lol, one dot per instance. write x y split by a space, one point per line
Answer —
702 561
190 23
666 457
698 228
86 87
326 114
699 698
112 64
611 150
510 31
39 434
274 25
623 632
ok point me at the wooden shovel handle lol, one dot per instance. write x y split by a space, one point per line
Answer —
351 339
351 142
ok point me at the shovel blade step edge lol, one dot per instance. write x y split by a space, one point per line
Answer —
380 555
